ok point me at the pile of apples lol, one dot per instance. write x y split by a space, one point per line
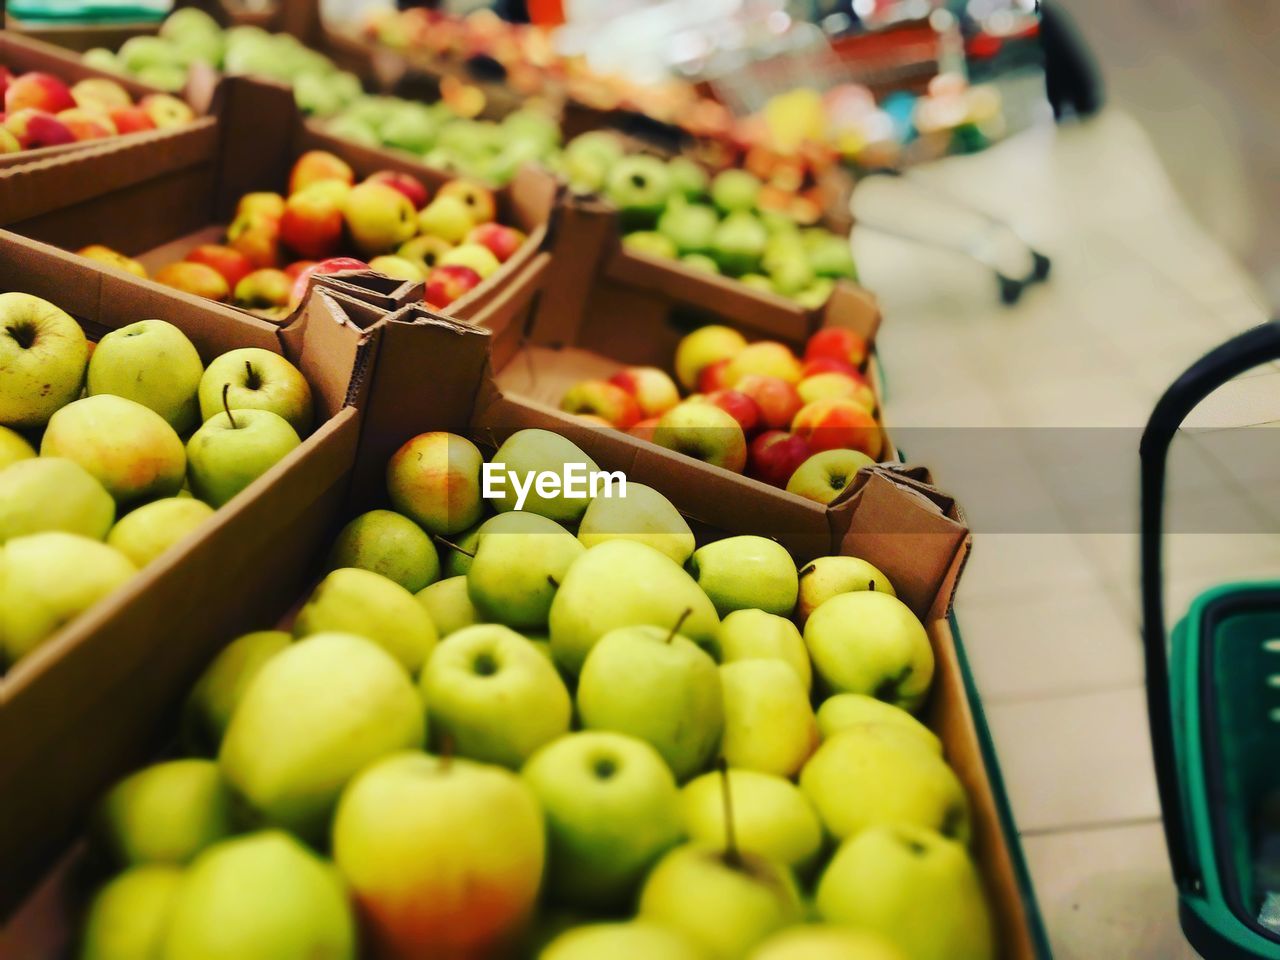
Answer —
748 230
42 111
566 731
807 424
138 443
189 36
444 138
276 242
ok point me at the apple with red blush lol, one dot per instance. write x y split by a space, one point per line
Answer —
775 455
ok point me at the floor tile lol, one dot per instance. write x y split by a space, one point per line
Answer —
1025 565
1076 761
1107 894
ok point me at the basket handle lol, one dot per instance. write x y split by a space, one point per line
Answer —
1240 354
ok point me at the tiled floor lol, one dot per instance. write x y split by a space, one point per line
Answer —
1031 415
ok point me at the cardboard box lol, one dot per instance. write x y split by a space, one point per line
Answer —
23 54
907 528
156 201
84 701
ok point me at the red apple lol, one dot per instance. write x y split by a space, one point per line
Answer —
655 392
838 424
712 377
603 399
263 203
131 119
194 278
502 240
323 267
86 125
315 165
738 405
35 128
477 198
765 357
6 76
827 365
778 400
775 455
232 264
295 268
645 428
410 186
263 290
446 284
101 95
312 223
837 343
822 386
37 91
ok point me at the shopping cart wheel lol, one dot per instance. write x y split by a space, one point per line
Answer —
1040 265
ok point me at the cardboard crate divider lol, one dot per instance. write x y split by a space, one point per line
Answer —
67 717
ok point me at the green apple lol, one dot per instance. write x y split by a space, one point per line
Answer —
49 579
317 713
165 813
128 915
144 534
771 817
688 178
650 242
870 642
389 544
351 600
816 294
825 577
154 363
263 896
846 710
459 551
493 695
738 243
408 129
882 774
130 449
704 432
434 480
789 271
589 157
768 721
700 262
756 635
232 450
632 940
757 281
14 447
520 561
449 605
532 125
724 901
100 58
445 856
831 257
746 572
612 809
43 353
52 493
474 255
354 129
818 942
260 380
659 686
213 699
639 187
690 226
621 583
379 217
735 190
643 515
918 890
526 453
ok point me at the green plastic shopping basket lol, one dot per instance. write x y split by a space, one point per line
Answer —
1213 695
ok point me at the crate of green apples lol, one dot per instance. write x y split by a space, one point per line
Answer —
488 730
50 105
246 227
136 426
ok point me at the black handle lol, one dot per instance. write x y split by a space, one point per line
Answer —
1238 355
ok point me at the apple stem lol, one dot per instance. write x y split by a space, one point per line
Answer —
226 388
871 586
446 752
806 570
732 855
688 612
552 580
252 380
453 546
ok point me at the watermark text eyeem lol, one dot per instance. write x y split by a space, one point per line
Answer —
575 483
